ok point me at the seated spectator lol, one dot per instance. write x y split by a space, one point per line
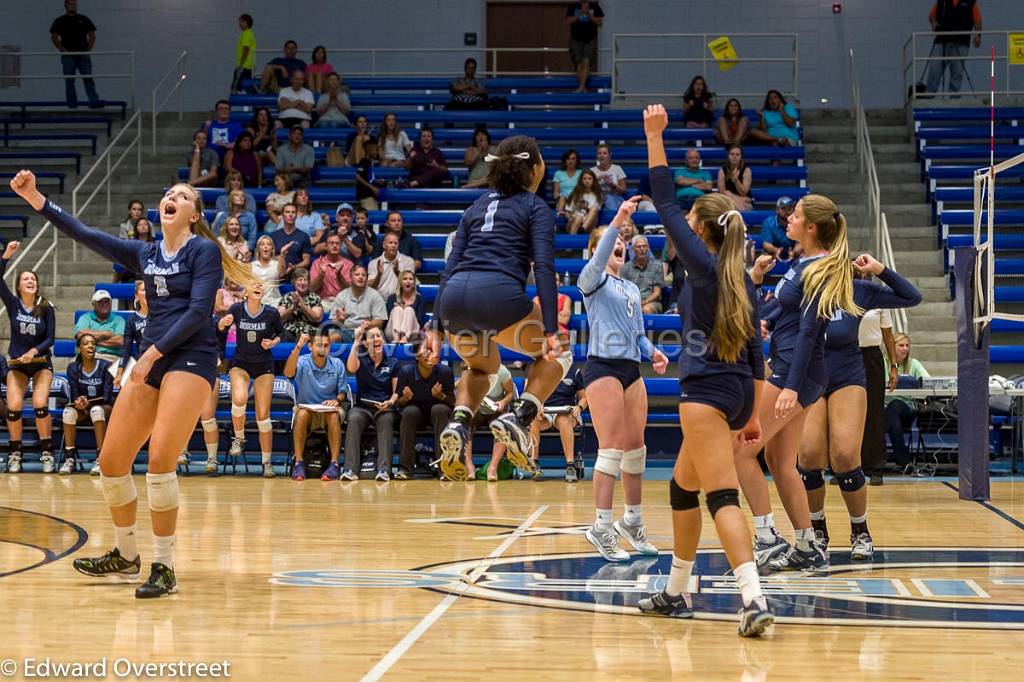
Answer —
407 242
269 267
733 126
646 273
309 220
610 177
282 195
245 55
357 305
296 103
344 230
468 91
778 122
234 181
426 395
301 310
565 180
333 106
476 159
264 135
900 413
698 104
627 230
407 311
692 181
229 294
395 145
244 161
356 139
245 218
233 240
564 307
91 398
278 71
331 273
646 203
773 232
291 242
105 327
674 273
296 158
734 179
136 210
494 404
319 380
385 268
367 187
363 239
318 69
203 163
426 164
584 204
562 411
144 233
221 131
376 380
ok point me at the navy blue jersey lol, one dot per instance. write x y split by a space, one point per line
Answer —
180 288
422 396
504 234
798 340
134 333
699 296
564 394
299 241
28 330
97 386
373 382
252 330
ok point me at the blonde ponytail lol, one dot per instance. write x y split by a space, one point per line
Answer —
234 270
830 278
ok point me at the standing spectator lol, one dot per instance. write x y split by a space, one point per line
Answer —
245 218
562 411
376 381
468 91
296 102
233 241
774 241
355 140
407 312
476 159
878 349
900 413
778 122
221 131
385 268
333 107
734 178
698 104
269 267
244 160
495 403
961 16
203 162
691 180
291 242
367 191
296 158
282 195
91 393
105 327
395 144
647 274
278 71
407 242
584 204
357 305
136 210
318 69
610 177
264 132
331 273
583 19
245 54
565 180
301 310
426 164
73 32
363 237
733 125
233 181
426 395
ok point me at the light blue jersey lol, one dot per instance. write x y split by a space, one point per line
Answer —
614 313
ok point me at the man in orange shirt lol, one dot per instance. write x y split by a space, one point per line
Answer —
963 17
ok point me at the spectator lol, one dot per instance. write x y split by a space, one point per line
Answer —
228 295
282 195
646 203
647 274
245 54
426 395
143 232
268 266
73 32
221 131
363 239
698 104
426 164
395 144
900 413
301 310
134 329
961 16
319 69
309 221
245 218
356 139
734 178
494 404
233 181
627 230
564 308
296 102
91 398
278 71
476 159
583 19
353 242
468 91
291 242
774 241
692 181
320 380
610 177
333 107
376 381
264 135
357 305
584 204
565 180
778 122
330 274
407 311
296 158
233 240
674 273
407 242
562 411
733 125
105 327
385 268
367 190
242 159
203 163
878 351
136 210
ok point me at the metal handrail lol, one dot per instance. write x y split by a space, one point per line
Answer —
180 67
95 53
911 60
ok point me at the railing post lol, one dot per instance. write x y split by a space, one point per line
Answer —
153 113
108 183
138 147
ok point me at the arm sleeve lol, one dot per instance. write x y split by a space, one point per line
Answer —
755 347
49 330
645 346
542 236
127 341
108 388
72 372
899 294
276 325
122 251
207 274
458 247
420 308
8 297
811 326
690 248
593 272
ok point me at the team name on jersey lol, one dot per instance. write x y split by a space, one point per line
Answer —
153 269
28 318
252 326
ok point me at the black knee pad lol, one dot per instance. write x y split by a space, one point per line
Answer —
13 416
851 481
680 498
812 478
727 497
41 412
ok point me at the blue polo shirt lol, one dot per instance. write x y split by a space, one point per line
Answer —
690 192
316 384
775 234
408 374
302 245
374 382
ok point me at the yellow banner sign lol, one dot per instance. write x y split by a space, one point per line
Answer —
724 53
1015 48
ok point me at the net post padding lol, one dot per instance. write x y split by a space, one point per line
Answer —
972 381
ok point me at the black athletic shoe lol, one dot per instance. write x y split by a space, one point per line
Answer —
160 584
820 531
513 430
111 565
755 619
453 446
664 604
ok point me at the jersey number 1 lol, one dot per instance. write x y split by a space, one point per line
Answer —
492 208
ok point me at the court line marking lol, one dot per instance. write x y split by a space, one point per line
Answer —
399 650
992 508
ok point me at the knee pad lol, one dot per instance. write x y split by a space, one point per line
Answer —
680 498
41 412
812 478
565 361
96 414
13 416
209 425
492 381
163 491
264 425
237 410
851 481
608 461
118 490
727 497
70 416
634 461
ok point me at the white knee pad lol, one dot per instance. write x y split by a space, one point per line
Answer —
492 380
565 360
70 416
237 410
209 424
96 414
264 425
609 460
634 461
118 490
163 491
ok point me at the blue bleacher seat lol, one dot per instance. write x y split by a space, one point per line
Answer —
563 99
76 157
930 114
499 84
566 134
24 105
40 175
43 137
9 120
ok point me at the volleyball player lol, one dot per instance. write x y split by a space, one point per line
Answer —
171 379
258 330
722 370
32 330
835 423
134 332
482 302
615 391
91 389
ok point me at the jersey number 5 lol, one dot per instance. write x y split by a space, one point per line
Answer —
492 208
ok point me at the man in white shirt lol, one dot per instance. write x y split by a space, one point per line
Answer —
296 102
611 177
874 332
383 270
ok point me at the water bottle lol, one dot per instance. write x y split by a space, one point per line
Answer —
565 279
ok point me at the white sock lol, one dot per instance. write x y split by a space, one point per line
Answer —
633 516
764 527
604 519
679 576
126 541
804 537
266 457
748 582
240 435
163 550
856 519
533 399
211 450
818 515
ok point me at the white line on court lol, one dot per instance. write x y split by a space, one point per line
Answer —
397 651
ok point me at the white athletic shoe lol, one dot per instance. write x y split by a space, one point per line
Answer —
237 445
607 544
268 471
862 547
67 466
211 466
14 464
637 536
95 471
47 461
183 458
